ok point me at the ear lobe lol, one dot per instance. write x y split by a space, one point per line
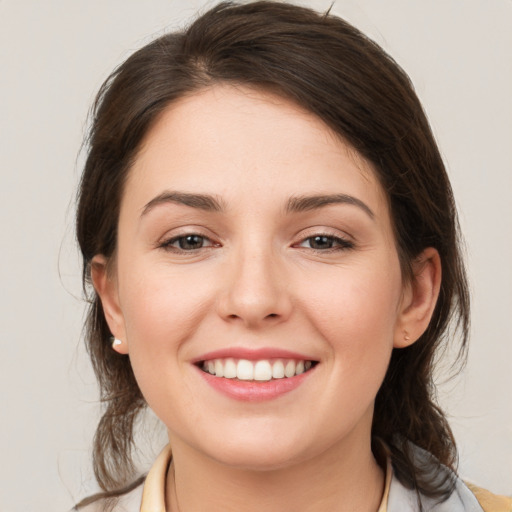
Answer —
419 299
106 288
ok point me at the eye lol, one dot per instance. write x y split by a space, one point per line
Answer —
323 242
188 242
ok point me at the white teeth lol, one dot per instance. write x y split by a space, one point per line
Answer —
219 368
263 370
278 370
230 369
289 369
245 370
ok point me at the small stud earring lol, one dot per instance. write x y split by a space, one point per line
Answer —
116 342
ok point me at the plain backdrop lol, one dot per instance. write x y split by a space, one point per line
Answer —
54 54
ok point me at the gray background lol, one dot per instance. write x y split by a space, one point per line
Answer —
54 54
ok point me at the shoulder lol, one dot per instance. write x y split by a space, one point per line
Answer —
464 498
491 502
402 499
129 502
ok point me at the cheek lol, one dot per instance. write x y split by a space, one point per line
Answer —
161 315
356 313
161 301
162 311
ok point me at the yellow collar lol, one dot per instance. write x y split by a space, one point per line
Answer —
153 496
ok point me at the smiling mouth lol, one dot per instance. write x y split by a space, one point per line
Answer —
262 370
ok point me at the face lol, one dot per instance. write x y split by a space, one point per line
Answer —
256 286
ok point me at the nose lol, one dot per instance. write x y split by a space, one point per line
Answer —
256 290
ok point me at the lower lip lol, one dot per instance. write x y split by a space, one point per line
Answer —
254 391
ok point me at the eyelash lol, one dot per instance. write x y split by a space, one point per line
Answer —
340 244
168 244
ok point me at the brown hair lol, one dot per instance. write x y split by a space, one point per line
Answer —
332 70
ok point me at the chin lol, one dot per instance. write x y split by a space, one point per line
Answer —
263 452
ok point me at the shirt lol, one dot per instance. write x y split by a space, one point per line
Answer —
396 498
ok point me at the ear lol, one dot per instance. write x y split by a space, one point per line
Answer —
419 298
105 285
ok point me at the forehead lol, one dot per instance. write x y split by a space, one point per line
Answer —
226 138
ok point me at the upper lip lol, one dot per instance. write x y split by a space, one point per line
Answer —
252 354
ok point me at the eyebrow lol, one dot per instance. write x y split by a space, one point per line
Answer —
306 203
211 203
201 201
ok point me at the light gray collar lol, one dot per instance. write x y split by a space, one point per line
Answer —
402 499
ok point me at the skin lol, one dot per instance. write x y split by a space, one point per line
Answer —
259 280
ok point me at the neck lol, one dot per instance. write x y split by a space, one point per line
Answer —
344 477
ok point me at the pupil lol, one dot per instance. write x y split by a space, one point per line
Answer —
191 242
322 242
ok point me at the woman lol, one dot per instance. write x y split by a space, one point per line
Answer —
272 240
